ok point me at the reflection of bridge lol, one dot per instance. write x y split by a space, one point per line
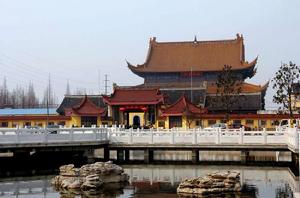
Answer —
170 175
87 139
39 187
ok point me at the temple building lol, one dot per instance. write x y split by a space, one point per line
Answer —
84 111
33 117
134 106
179 88
181 113
178 62
192 67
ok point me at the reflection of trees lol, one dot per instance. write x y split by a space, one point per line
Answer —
284 192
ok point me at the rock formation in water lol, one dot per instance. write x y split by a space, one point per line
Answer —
88 177
213 183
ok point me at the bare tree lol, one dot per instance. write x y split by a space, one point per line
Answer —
31 99
283 81
4 94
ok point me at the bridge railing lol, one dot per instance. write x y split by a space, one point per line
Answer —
51 135
288 136
196 136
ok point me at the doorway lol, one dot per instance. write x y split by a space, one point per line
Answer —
136 121
88 121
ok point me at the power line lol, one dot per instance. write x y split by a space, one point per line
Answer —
33 70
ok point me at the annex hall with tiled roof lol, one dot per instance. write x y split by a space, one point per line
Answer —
133 96
86 107
183 107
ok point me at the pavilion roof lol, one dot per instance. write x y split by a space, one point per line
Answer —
201 56
134 96
183 107
73 100
85 107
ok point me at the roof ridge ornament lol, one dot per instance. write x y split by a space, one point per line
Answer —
195 39
153 40
239 36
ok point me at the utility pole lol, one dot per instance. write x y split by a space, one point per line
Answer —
48 99
106 86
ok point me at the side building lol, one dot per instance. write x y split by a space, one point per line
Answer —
84 110
33 117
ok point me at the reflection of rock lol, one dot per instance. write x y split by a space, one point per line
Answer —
89 178
107 190
218 182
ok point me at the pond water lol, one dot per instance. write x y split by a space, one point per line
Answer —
153 181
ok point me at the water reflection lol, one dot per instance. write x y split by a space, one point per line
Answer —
161 181
108 190
234 156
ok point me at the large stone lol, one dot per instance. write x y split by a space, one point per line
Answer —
91 182
89 177
212 183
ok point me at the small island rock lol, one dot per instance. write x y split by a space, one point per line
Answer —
218 182
90 176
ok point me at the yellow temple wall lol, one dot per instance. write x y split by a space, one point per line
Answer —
34 122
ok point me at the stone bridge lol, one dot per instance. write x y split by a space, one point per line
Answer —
123 140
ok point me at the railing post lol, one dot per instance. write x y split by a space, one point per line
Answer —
107 133
130 136
71 133
17 136
172 137
195 136
241 136
95 134
151 135
45 136
296 136
265 135
218 133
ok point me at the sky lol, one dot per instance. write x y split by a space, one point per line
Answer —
82 40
